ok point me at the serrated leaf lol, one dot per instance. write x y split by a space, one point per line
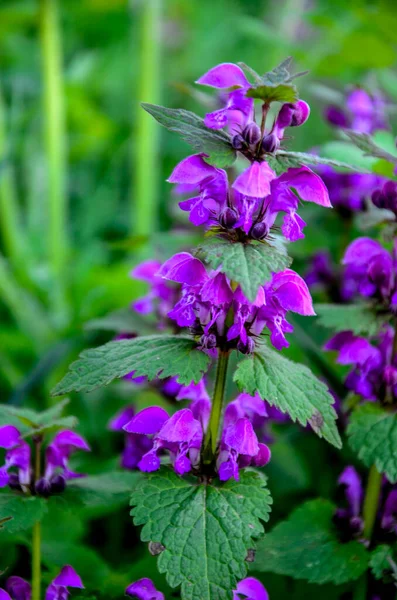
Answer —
358 318
152 356
255 77
281 74
372 435
379 561
306 546
283 160
206 530
216 144
21 512
104 489
269 93
369 146
31 422
251 265
124 320
292 388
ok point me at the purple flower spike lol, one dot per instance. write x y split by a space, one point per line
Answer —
9 436
144 589
254 182
250 589
68 578
148 421
18 588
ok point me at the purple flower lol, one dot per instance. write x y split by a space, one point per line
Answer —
135 445
161 295
144 589
250 589
389 516
348 520
58 453
17 456
364 113
19 589
254 182
386 197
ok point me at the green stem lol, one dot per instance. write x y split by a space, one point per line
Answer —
371 501
360 589
211 437
36 533
54 132
145 160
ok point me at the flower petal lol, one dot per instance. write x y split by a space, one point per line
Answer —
224 76
148 421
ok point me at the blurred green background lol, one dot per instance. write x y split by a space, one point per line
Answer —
83 195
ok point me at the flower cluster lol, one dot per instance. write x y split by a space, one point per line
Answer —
247 208
20 589
207 298
349 519
152 432
17 471
249 589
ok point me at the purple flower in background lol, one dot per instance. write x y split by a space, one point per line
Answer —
386 197
17 457
250 589
324 275
364 113
348 520
161 295
19 589
144 589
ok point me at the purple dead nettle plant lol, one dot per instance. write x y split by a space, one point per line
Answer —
203 498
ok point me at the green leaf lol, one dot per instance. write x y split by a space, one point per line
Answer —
379 562
153 356
103 490
206 530
282 160
216 144
370 148
270 93
358 318
18 512
251 265
124 320
281 74
372 435
292 388
31 422
305 546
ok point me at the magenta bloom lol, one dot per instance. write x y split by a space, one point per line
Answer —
144 589
19 589
348 519
161 295
17 457
250 589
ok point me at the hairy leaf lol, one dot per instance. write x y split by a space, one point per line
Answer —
216 144
282 160
292 388
206 530
18 512
370 148
372 435
379 562
251 265
306 546
153 356
358 318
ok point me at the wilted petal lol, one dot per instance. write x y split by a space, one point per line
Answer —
223 76
255 181
148 421
184 268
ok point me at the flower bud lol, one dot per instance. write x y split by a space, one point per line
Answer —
270 143
259 231
228 217
247 348
252 133
301 113
58 484
238 142
43 487
285 116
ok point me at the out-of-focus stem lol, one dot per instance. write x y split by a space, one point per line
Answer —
55 136
36 533
371 501
145 165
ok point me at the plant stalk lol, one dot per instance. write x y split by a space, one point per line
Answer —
211 436
371 501
36 533
55 136
145 164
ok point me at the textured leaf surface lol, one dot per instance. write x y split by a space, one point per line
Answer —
153 356
305 546
206 530
356 318
292 388
21 512
379 562
103 490
216 144
282 160
251 265
372 435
